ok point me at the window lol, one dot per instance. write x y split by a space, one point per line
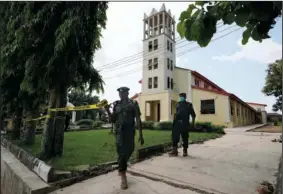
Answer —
168 63
238 112
171 65
150 64
155 63
171 47
155 45
168 45
149 46
172 84
168 82
207 107
231 109
150 83
196 82
155 82
205 86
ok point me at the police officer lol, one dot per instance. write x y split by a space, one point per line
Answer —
125 113
181 124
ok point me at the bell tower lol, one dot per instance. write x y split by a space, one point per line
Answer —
159 56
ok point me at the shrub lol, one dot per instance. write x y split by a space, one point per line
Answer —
218 129
204 126
97 124
275 123
84 122
208 127
164 125
148 124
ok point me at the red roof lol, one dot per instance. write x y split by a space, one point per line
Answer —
253 103
135 96
198 75
218 91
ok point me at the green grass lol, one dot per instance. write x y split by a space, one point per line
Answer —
94 147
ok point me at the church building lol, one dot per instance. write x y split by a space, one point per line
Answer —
162 81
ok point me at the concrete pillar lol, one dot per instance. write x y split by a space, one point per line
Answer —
163 22
154 24
228 111
174 36
73 116
189 92
144 29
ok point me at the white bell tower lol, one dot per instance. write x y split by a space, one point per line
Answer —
159 56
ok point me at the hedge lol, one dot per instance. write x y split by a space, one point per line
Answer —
206 127
84 122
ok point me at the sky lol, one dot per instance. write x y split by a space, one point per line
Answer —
238 69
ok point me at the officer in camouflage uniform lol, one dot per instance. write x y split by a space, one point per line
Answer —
181 124
125 113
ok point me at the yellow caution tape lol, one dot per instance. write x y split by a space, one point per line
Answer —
85 107
76 108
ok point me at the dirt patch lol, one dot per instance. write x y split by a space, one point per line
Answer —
269 129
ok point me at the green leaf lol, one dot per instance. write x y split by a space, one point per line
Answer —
242 17
255 35
208 30
246 36
188 26
200 3
197 25
229 18
184 15
191 8
181 29
195 14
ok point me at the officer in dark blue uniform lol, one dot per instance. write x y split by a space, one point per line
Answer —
181 124
126 113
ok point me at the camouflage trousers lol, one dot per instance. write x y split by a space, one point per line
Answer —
125 145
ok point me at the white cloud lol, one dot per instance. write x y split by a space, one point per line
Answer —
265 52
122 38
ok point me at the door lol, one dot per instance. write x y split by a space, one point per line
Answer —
158 112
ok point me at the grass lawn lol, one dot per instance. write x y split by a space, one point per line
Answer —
270 129
97 146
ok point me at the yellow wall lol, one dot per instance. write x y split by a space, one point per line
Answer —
246 115
161 98
221 107
165 106
181 79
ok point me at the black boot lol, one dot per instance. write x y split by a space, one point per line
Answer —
174 152
185 152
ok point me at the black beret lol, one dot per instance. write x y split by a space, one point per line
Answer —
182 94
123 89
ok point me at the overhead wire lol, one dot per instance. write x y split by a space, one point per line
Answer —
130 58
178 55
159 51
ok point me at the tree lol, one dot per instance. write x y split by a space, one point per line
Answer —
199 22
273 83
80 98
59 40
14 100
10 76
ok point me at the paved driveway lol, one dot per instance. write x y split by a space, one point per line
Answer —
233 164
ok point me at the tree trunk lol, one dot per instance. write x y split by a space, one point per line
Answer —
17 121
60 124
1 123
48 131
29 130
53 134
